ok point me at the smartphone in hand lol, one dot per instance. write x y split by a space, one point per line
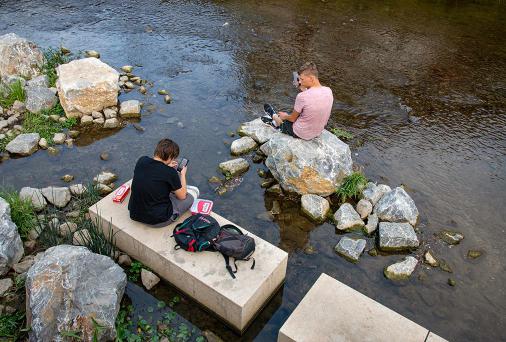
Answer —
296 81
184 162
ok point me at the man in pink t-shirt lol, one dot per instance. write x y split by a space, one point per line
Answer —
312 107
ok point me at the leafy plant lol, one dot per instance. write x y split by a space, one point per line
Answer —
22 212
10 325
39 123
341 133
134 271
52 59
352 187
9 94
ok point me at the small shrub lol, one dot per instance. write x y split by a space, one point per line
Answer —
22 212
352 187
10 326
341 133
9 94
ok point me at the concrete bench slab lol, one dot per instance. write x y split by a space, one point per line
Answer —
332 311
202 276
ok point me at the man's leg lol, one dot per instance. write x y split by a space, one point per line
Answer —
180 206
286 127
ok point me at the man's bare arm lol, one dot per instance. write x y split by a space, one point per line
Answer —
292 117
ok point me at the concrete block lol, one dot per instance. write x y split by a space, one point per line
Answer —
332 311
202 276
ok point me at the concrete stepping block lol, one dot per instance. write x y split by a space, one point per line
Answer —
202 276
332 311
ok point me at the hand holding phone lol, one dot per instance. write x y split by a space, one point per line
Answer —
184 162
296 81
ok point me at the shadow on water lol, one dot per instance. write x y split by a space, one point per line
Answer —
420 84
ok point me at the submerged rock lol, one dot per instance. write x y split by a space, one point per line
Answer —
346 218
430 259
373 192
35 196
315 207
473 254
257 130
24 144
11 246
234 167
111 123
68 288
86 85
105 177
242 146
57 196
317 166
127 68
130 109
450 237
19 57
349 248
59 138
401 270
77 189
397 236
397 206
443 265
92 53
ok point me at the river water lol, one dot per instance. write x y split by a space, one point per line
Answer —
421 84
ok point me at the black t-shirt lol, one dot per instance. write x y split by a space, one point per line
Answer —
152 184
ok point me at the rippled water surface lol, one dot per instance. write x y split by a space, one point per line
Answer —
421 84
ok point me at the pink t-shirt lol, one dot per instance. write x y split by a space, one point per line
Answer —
314 106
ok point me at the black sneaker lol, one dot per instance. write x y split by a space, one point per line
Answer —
268 120
269 110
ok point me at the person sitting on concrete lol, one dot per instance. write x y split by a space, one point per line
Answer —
159 192
311 111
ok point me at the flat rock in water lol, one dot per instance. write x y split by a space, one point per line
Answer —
111 123
19 57
59 138
234 167
130 109
57 196
373 192
77 189
39 98
430 259
450 237
257 130
317 166
67 288
346 218
35 196
103 189
105 177
397 236
86 85
315 207
242 145
364 208
349 248
401 270
372 224
11 246
397 206
24 144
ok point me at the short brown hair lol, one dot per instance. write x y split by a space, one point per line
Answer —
309 68
166 149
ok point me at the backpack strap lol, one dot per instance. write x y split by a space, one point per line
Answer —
229 268
231 228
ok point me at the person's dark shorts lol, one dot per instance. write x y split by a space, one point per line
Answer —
287 128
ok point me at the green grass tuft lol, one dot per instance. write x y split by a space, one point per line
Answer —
52 59
39 123
9 94
22 212
352 187
341 133
11 326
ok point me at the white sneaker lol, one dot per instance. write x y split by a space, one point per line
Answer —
193 190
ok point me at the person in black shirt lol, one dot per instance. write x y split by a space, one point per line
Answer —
159 193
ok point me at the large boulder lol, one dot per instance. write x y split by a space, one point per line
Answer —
24 144
35 196
11 246
397 236
346 218
39 98
19 57
87 85
67 289
397 206
315 207
57 196
317 166
257 130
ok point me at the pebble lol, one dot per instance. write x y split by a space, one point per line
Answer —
73 134
276 208
43 143
473 254
129 85
167 99
104 156
127 68
138 127
142 90
451 282
96 115
53 151
67 178
221 190
163 92
92 53
214 179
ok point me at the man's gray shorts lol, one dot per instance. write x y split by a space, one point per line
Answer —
179 206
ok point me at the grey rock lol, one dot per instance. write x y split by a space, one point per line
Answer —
111 123
138 127
97 115
105 177
259 131
67 228
103 189
4 124
124 260
242 145
24 144
19 57
39 81
430 259
315 207
349 248
401 270
397 236
110 113
57 196
92 53
35 196
372 224
5 285
86 120
127 68
24 265
81 237
59 138
39 98
234 167
43 144
346 218
317 166
67 288
11 246
450 237
130 109
53 151
77 189
275 189
364 208
149 279
18 107
73 134
397 206
99 121
373 192
67 178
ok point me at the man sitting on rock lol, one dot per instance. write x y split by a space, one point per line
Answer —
159 192
311 111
